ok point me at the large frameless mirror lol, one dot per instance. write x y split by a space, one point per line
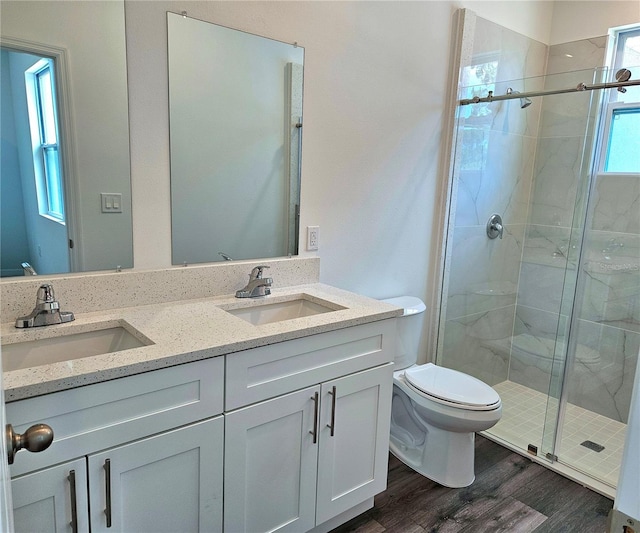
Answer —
235 106
65 175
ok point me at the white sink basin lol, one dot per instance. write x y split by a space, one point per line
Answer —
266 313
68 347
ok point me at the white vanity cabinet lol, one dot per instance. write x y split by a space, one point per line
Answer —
170 482
125 479
298 459
163 483
294 435
50 499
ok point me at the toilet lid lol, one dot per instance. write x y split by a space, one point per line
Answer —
451 386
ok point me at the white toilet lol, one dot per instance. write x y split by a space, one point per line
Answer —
435 411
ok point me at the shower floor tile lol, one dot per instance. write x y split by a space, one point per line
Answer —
522 423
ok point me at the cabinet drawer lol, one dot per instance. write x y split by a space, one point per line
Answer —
95 417
261 373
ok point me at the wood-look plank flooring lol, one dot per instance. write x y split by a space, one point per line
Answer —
511 493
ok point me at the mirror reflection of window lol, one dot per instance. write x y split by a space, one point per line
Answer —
43 121
34 218
82 146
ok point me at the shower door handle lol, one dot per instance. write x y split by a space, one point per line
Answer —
494 226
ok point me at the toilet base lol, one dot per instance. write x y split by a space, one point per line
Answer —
445 457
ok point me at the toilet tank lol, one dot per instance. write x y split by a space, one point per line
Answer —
409 330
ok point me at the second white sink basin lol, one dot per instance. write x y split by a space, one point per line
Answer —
68 347
266 313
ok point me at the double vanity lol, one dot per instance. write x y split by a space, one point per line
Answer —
204 414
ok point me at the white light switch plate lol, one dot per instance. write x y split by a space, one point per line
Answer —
111 202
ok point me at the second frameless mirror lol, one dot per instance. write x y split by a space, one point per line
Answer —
235 106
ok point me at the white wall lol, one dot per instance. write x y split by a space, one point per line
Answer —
573 20
531 18
374 97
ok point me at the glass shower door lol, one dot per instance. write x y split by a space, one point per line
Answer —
507 302
604 339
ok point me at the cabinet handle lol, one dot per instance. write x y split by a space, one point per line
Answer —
74 503
36 439
107 481
314 432
332 426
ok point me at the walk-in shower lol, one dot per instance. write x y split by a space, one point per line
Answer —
548 314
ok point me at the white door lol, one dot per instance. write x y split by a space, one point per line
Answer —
352 465
52 499
6 515
271 464
167 483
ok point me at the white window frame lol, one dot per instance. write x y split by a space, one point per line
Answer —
50 195
617 38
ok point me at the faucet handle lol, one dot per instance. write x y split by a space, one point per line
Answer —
46 293
46 298
256 273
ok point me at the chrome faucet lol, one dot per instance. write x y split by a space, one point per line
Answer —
46 312
257 286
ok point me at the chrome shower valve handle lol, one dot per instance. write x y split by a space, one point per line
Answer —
494 226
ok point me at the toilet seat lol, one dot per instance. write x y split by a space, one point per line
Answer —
452 388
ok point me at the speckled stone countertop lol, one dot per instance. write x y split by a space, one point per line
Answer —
182 332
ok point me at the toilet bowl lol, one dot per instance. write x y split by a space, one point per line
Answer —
434 416
435 411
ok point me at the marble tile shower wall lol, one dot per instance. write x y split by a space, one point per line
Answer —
607 336
493 175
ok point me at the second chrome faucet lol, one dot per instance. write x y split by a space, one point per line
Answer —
257 286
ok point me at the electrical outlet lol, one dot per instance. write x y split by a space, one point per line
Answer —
313 237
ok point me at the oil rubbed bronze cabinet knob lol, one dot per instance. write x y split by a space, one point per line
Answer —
36 439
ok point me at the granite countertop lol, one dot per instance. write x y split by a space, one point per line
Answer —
182 332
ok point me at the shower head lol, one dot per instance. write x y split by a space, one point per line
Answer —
524 102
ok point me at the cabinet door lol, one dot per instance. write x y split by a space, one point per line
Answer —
270 464
43 501
167 483
352 463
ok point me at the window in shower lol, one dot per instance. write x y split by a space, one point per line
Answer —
477 80
627 55
622 142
